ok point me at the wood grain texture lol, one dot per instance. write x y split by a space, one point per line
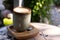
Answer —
38 37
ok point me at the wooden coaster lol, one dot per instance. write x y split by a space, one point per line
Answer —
23 35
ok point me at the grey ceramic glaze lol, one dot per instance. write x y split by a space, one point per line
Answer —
21 20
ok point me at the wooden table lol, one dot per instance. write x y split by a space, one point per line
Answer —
47 32
38 37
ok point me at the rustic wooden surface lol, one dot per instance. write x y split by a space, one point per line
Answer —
47 32
38 37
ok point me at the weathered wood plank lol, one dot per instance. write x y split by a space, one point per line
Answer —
38 37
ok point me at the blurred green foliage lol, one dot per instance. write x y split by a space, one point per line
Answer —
40 9
57 2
